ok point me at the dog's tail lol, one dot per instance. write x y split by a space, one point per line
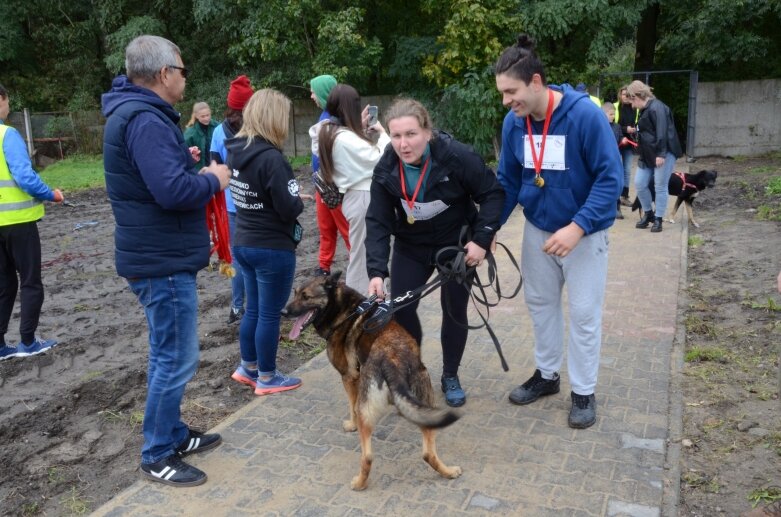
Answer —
419 414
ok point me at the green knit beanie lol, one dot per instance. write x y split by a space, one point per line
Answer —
322 86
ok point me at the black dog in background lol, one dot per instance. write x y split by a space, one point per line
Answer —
685 187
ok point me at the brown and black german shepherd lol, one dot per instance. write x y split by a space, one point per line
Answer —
378 369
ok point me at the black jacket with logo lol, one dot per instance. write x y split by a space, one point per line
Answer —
459 178
265 193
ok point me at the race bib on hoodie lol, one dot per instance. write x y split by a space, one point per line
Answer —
553 158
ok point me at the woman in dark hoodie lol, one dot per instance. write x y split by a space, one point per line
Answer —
266 195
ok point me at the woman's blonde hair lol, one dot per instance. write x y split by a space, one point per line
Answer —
198 106
409 108
266 115
639 89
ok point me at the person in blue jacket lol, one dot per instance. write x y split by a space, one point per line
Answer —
560 161
21 207
161 241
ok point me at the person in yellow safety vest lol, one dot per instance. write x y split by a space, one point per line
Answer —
21 207
581 87
624 118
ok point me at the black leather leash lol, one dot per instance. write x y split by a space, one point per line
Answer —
451 269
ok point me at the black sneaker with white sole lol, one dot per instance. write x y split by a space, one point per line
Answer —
198 442
173 471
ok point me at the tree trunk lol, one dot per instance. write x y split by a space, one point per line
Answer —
646 40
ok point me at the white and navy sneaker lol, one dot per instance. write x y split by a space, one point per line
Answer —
173 471
198 442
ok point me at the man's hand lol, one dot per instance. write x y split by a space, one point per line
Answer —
58 197
474 254
222 172
563 241
377 286
659 161
308 197
195 153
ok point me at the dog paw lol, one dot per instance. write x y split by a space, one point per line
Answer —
349 426
454 472
358 484
671 221
696 225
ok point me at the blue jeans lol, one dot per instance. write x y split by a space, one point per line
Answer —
268 279
171 308
237 282
661 177
626 157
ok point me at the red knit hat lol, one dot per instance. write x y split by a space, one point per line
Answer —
239 93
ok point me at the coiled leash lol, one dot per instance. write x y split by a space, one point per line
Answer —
450 262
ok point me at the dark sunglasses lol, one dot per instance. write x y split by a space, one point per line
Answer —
181 69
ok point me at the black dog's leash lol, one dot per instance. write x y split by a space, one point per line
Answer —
452 269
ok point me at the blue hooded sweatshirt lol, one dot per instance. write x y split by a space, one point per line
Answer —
586 190
157 196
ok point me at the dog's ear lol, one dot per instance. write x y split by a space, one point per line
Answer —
333 279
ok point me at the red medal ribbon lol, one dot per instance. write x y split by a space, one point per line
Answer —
411 202
548 112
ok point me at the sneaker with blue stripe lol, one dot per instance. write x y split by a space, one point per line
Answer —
173 471
278 382
7 352
39 346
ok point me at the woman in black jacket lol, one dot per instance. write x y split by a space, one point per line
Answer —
659 148
266 195
423 192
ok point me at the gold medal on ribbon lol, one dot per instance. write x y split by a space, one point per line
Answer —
539 181
410 219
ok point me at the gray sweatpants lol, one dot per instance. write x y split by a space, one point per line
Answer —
354 207
585 272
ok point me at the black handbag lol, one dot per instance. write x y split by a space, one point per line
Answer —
328 191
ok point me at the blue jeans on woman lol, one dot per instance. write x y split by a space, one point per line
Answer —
661 177
268 279
237 282
171 307
627 155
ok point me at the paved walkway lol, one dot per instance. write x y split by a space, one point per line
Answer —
287 455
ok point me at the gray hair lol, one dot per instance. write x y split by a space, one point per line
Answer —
146 55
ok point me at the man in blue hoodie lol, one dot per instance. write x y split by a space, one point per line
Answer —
161 241
567 180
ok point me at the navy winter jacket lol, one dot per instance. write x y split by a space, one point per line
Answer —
157 196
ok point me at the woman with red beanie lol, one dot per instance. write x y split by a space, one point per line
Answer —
239 93
329 220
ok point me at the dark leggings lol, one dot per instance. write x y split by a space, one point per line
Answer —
20 252
408 274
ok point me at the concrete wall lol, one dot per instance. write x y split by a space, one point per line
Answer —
740 118
305 113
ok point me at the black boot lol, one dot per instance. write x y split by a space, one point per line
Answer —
624 199
657 227
648 218
619 215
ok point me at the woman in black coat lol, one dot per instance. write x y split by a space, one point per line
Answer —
423 192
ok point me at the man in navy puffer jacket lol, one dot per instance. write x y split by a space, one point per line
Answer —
161 240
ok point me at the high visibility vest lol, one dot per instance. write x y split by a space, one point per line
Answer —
16 205
618 111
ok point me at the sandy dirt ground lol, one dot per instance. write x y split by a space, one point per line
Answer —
70 432
732 414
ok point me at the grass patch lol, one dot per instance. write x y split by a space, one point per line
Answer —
31 509
76 503
774 186
700 354
297 162
768 213
695 241
765 495
696 325
769 306
763 169
75 173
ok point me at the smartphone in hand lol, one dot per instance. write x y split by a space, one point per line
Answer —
372 116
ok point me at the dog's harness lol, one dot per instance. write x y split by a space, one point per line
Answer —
682 176
449 269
